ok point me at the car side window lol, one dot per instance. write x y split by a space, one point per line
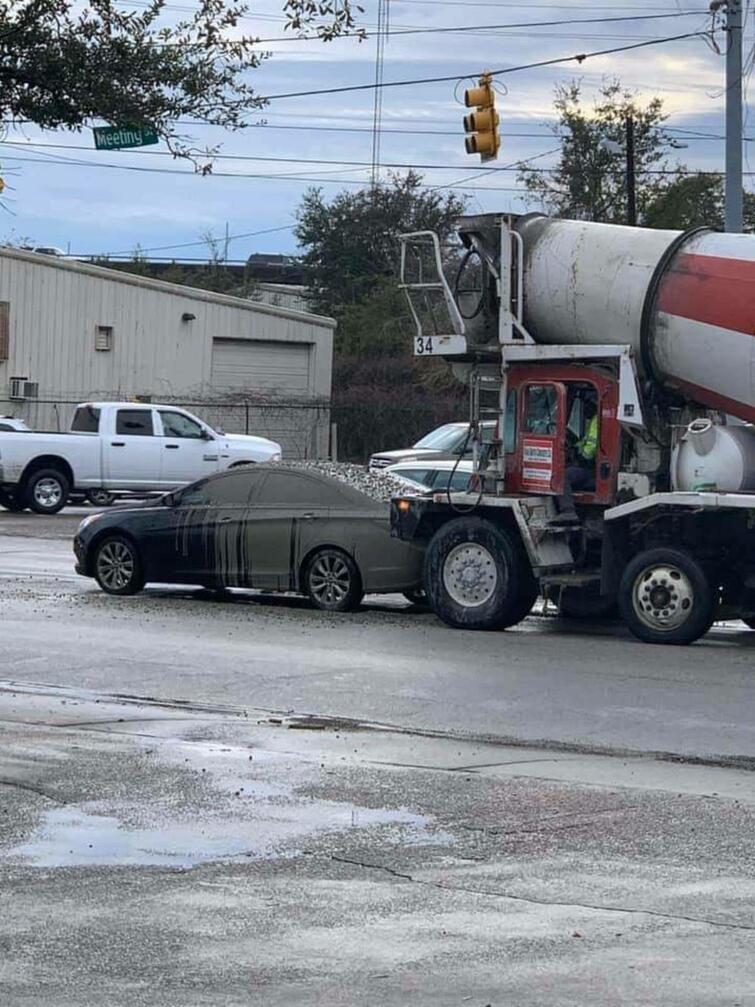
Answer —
296 489
179 425
231 489
134 423
424 476
459 480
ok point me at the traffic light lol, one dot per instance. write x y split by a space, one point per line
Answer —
482 124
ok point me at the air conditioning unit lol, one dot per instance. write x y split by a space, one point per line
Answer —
22 388
17 388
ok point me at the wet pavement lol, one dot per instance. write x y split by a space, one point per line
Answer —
247 801
151 853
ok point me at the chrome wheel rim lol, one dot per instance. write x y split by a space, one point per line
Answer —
329 579
99 496
48 492
469 575
663 597
115 565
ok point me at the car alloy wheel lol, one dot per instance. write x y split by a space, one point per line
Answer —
117 567
332 581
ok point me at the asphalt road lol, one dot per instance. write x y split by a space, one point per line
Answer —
545 681
254 834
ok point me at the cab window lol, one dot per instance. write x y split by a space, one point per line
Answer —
179 425
134 423
541 410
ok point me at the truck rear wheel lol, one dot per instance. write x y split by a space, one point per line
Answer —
665 597
47 491
476 576
11 503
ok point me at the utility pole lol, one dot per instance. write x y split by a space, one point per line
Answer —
733 189
631 186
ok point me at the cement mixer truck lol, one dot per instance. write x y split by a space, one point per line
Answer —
640 342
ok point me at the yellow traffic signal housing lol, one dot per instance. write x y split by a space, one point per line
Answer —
482 124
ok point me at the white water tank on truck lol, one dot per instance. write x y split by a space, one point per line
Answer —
684 301
716 458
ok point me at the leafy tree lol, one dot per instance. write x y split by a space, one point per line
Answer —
589 182
63 64
694 201
352 242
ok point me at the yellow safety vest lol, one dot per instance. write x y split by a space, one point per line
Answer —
588 445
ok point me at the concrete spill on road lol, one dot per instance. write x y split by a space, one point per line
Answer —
264 821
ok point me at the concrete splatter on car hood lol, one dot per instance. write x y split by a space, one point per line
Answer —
380 485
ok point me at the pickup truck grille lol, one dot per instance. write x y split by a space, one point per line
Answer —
379 463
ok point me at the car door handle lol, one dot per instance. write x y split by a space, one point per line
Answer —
117 444
309 515
172 447
224 520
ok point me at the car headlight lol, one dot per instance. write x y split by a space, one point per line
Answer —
86 522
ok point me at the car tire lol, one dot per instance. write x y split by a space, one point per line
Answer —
46 491
665 597
117 566
332 581
501 589
11 503
100 498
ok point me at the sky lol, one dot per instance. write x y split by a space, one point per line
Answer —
92 202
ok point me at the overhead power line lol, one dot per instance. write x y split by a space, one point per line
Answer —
340 162
578 57
454 29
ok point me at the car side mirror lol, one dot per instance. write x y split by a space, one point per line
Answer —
206 435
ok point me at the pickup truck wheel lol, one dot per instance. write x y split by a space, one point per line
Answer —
100 498
47 491
11 503
117 567
665 597
476 576
332 581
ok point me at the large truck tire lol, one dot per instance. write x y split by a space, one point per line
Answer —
477 577
12 503
665 597
47 491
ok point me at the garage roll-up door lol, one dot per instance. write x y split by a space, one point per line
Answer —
245 363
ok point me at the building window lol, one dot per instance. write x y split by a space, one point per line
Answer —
4 330
103 338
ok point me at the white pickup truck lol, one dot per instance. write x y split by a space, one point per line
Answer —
119 446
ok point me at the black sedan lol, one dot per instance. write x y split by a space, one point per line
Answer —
270 528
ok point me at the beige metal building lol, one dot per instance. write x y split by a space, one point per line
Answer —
72 332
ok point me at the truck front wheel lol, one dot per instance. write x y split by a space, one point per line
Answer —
665 597
476 576
47 491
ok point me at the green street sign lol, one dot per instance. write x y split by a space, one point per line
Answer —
118 137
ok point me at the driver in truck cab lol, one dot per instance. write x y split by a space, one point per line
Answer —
580 470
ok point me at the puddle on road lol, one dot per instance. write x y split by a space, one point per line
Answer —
70 836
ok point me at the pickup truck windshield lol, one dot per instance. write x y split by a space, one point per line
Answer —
86 420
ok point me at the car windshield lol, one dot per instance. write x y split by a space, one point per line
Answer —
445 438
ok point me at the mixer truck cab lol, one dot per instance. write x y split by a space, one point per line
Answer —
618 365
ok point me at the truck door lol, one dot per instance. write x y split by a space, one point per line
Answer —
538 463
187 452
131 454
